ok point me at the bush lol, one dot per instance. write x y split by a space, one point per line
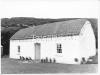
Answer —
46 60
50 60
83 60
54 60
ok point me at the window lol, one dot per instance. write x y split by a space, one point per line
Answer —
59 48
18 49
76 60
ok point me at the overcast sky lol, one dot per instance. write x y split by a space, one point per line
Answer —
49 8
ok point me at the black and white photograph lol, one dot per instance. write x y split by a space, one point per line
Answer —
49 36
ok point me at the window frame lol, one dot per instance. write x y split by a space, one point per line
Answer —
59 48
19 49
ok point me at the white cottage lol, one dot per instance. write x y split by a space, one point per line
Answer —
66 42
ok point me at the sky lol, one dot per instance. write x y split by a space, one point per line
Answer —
49 8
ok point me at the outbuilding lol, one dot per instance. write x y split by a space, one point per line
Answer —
67 42
1 50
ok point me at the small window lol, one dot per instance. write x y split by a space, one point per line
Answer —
18 49
76 60
59 48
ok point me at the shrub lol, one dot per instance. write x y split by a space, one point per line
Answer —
54 60
76 60
50 60
46 59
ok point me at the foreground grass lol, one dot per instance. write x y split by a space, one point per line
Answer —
11 66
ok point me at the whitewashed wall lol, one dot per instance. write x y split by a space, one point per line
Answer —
72 47
26 48
87 41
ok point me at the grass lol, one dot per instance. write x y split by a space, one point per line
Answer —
11 66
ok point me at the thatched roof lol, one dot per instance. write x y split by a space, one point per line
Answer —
64 28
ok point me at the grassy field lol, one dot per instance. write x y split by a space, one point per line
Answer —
12 66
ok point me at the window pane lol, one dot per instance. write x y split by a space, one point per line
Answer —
18 48
59 48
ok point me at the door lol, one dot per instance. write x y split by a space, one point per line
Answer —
37 51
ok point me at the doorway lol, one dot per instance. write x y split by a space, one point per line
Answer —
37 51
